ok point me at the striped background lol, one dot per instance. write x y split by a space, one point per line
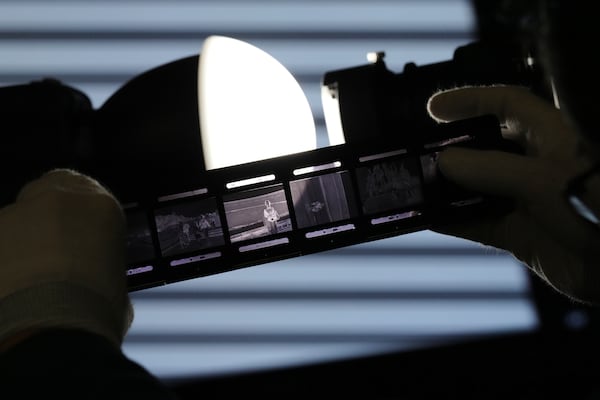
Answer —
400 293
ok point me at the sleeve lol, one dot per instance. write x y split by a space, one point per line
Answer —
75 364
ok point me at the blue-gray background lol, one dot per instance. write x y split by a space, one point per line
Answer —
402 293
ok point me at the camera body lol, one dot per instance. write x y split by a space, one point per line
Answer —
378 104
186 221
143 141
44 125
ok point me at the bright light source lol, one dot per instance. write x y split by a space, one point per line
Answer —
251 107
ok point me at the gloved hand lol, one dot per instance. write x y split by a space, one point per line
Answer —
543 231
62 249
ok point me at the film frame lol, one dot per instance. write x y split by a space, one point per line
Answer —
300 204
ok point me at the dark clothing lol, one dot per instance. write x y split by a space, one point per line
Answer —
79 365
75 365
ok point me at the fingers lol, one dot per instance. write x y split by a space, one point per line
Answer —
69 187
510 232
526 118
71 220
538 187
64 180
67 231
492 172
511 104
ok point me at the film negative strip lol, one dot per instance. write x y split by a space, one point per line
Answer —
301 204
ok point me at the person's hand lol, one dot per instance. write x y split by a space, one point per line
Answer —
62 247
543 231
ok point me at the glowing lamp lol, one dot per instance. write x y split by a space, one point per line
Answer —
250 106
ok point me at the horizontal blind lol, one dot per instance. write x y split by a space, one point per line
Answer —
406 292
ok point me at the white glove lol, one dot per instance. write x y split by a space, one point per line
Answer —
543 231
62 249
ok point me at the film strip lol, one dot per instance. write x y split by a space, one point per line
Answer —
301 204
